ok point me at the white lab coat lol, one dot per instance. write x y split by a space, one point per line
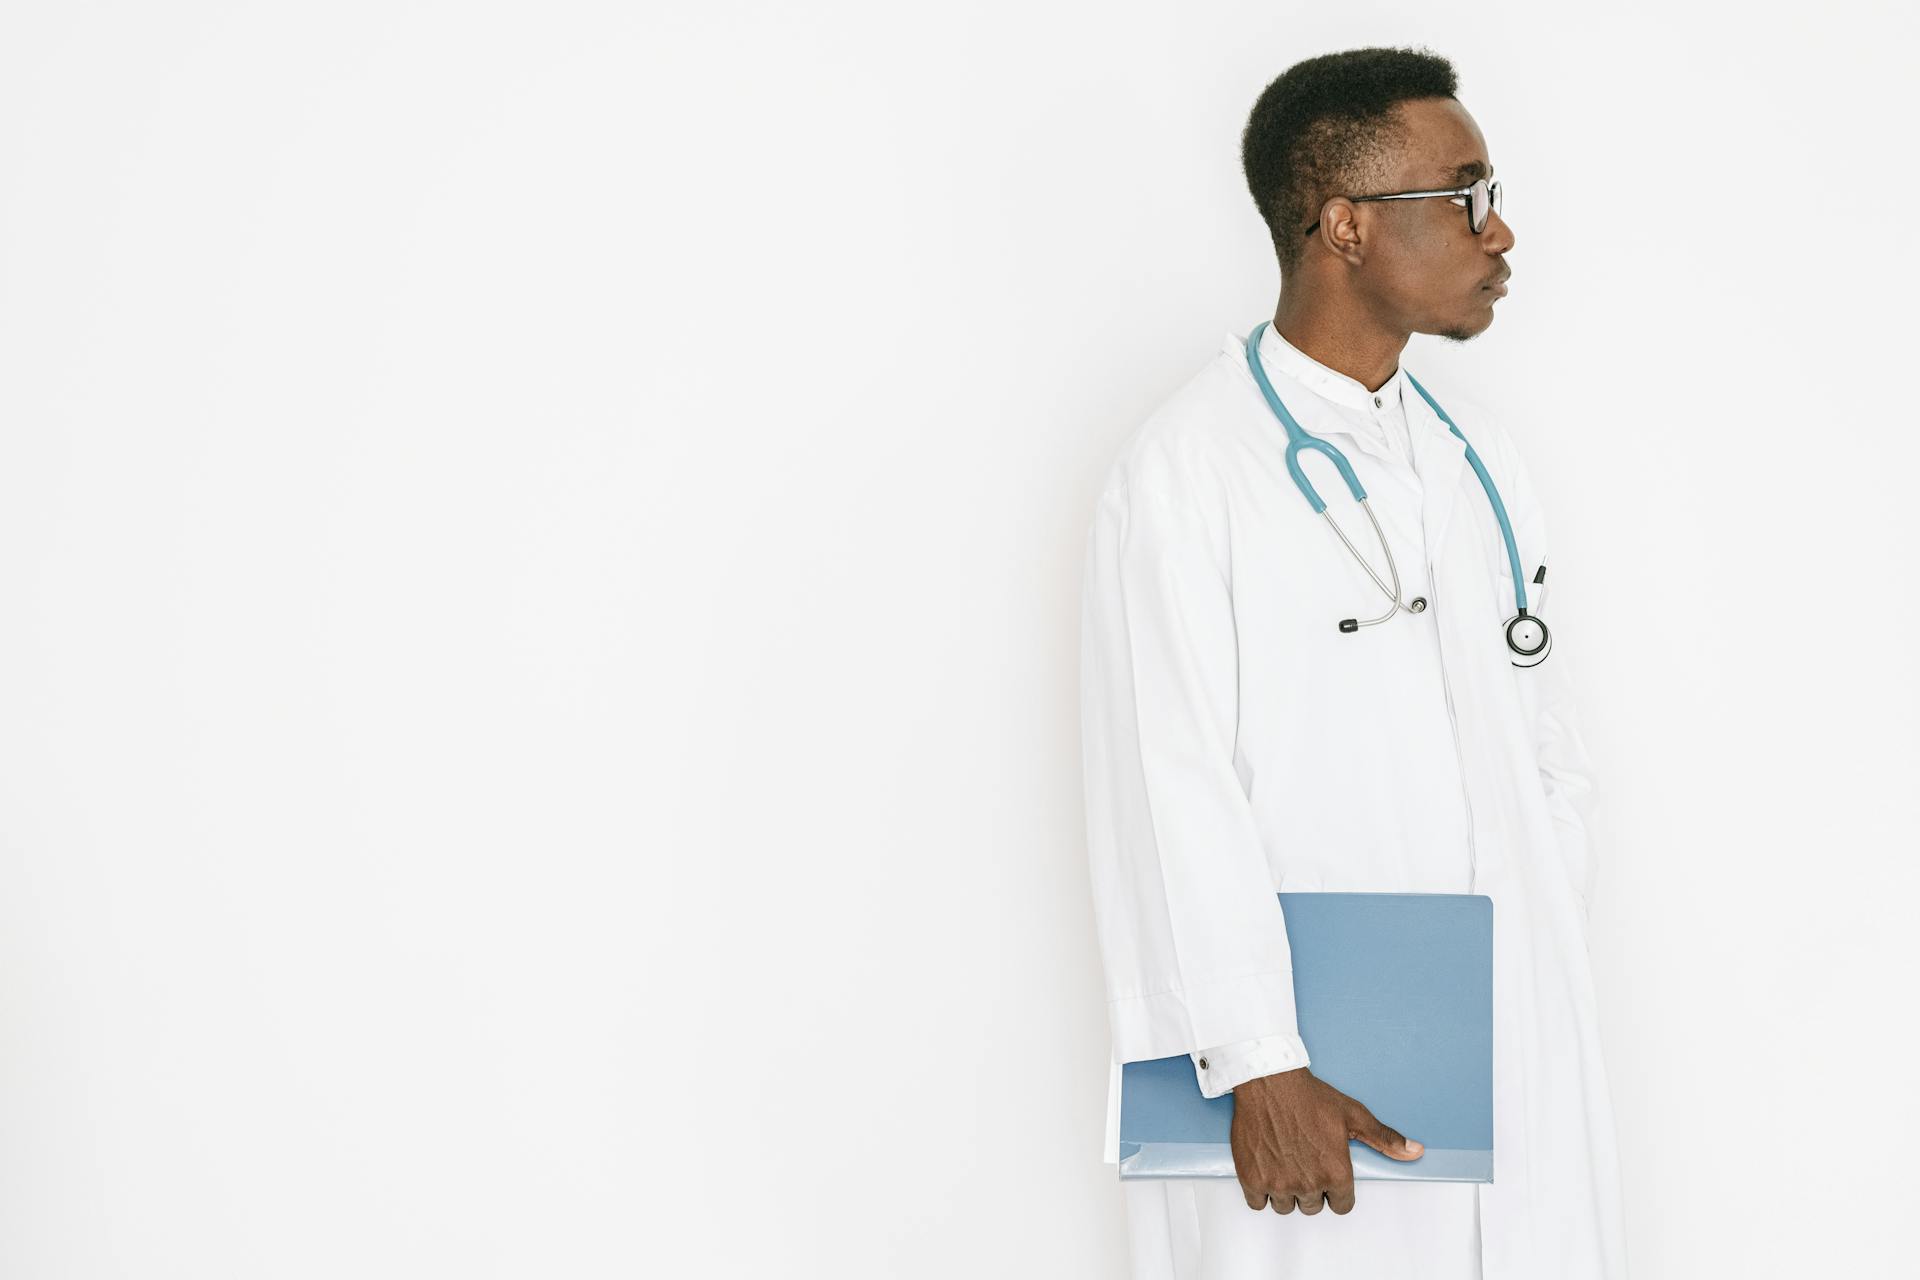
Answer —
1237 743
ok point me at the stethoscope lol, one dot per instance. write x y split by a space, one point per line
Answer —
1527 637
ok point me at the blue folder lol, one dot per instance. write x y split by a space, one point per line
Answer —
1394 996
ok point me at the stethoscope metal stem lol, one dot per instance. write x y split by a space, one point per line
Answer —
1393 592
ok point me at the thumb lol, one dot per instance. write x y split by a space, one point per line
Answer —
1384 1139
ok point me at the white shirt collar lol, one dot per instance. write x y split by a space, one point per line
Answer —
1349 393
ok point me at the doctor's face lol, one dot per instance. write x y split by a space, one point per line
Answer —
1426 270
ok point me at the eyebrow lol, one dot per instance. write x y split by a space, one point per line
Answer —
1471 171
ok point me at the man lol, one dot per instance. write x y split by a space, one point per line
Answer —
1239 741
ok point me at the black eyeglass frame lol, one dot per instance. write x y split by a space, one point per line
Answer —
1490 205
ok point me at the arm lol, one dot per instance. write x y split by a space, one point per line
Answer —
1547 693
1191 931
1566 773
1192 937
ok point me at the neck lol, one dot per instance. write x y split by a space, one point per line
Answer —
1340 338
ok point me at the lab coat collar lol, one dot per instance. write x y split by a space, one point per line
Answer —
1277 354
1340 405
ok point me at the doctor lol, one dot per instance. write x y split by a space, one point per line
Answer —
1261 712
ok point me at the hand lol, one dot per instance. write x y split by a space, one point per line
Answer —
1290 1133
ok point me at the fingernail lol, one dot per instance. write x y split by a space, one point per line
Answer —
1416 1147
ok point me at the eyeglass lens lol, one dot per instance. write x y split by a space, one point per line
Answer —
1485 195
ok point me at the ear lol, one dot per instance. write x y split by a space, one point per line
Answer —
1340 230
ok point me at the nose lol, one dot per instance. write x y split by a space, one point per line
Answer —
1496 237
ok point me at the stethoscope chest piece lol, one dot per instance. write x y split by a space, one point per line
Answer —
1528 639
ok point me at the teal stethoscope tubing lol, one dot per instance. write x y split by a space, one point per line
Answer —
1298 439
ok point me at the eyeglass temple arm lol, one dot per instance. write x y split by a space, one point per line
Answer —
1402 195
1415 195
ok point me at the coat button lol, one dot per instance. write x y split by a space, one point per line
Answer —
1203 1064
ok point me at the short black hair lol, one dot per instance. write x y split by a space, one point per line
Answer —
1324 125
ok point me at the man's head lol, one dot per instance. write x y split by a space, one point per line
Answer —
1375 122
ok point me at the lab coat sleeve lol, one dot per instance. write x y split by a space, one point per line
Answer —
1192 938
1223 1067
1560 748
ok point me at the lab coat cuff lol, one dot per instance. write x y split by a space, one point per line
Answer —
1171 1023
1220 1069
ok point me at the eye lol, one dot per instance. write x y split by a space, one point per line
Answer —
1461 201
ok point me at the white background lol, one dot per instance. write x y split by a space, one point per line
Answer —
539 559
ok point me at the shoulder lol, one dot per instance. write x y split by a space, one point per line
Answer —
1484 424
1180 452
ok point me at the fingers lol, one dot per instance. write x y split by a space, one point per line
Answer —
1340 1196
1398 1145
1310 1202
1385 1139
1337 1194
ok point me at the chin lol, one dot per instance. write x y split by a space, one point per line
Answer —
1470 328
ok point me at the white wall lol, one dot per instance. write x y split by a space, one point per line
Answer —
539 563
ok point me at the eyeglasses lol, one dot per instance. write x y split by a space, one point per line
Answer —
1481 197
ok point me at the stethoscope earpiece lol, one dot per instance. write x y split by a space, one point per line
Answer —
1416 605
